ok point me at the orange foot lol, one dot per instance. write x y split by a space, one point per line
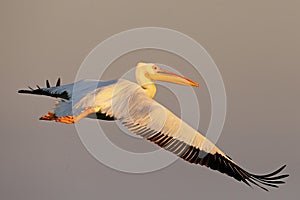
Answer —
50 116
66 119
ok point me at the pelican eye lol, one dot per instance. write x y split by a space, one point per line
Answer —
154 67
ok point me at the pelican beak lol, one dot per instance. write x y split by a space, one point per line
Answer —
167 76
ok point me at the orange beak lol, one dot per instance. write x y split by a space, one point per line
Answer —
167 76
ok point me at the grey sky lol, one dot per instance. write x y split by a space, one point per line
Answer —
255 45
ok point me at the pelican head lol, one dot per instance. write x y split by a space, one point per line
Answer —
148 72
152 71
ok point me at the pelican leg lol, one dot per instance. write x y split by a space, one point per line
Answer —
66 119
72 119
52 117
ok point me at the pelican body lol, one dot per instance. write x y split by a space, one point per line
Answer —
133 104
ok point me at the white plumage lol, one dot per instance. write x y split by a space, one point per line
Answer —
133 105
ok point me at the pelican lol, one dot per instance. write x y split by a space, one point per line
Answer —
134 106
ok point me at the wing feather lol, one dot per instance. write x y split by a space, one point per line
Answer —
145 117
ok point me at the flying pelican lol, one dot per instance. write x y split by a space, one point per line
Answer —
134 106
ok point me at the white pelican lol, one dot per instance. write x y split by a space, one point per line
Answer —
133 105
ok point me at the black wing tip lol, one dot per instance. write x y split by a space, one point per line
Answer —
47 84
271 176
25 91
31 90
47 91
273 179
58 82
270 180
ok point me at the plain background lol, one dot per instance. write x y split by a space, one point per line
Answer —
254 43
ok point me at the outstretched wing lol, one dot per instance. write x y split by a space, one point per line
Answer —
69 94
143 116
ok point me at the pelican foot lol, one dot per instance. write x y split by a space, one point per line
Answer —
66 119
50 116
